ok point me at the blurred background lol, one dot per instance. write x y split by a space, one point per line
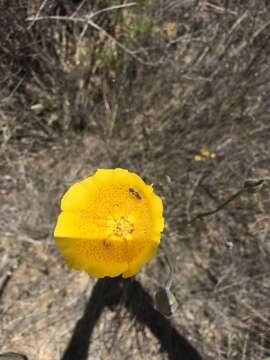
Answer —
176 91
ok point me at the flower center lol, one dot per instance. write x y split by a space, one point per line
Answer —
123 227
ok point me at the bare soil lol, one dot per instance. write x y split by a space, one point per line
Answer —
198 78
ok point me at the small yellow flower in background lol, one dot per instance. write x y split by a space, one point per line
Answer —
110 224
204 154
197 158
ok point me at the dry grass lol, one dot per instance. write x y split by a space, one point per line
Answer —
72 101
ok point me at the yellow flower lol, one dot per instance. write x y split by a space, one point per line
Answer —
197 158
205 152
110 224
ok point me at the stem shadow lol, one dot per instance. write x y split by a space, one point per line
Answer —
109 292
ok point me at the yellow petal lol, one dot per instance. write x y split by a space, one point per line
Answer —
205 152
143 257
96 257
197 158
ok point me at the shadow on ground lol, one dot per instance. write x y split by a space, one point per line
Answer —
109 293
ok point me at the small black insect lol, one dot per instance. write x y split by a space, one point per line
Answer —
135 193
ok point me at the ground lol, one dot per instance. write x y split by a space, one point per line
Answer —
178 93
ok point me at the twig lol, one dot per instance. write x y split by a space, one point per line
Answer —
14 90
5 273
90 16
38 13
250 187
251 309
244 351
220 9
220 207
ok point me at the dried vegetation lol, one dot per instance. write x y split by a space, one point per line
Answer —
143 87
